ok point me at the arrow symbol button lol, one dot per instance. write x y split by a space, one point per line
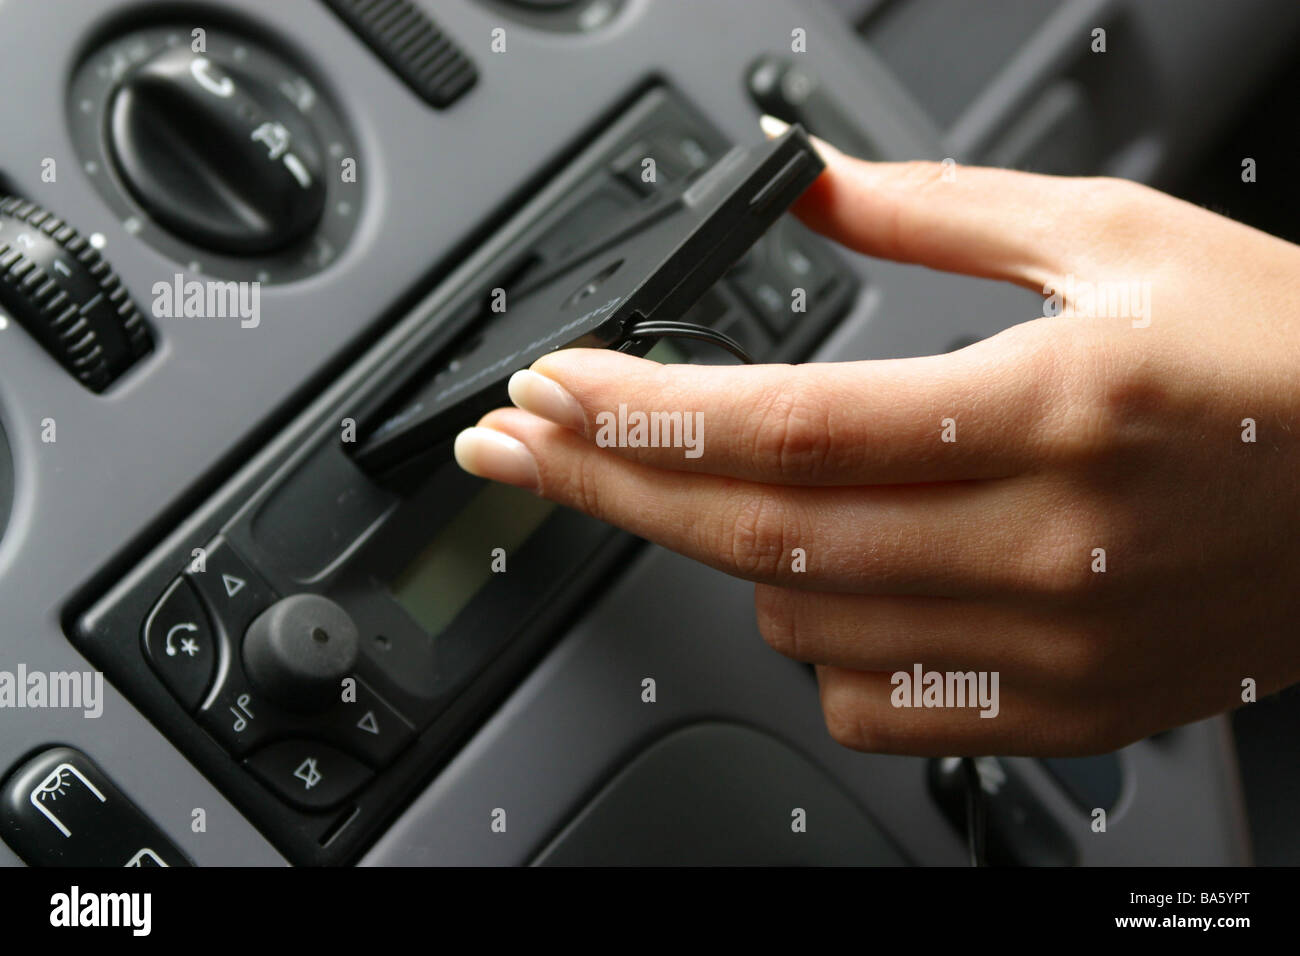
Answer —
369 724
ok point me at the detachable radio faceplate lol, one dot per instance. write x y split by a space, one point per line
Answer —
650 263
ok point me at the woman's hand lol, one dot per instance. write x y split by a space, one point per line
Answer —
957 511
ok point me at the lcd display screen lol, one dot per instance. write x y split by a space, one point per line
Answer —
455 566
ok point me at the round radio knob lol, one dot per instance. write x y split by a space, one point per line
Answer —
216 155
56 284
298 651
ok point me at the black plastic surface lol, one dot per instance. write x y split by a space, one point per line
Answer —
181 644
299 650
304 542
307 773
791 92
414 48
233 591
1019 829
60 809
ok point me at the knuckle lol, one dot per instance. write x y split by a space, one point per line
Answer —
1036 362
1055 569
909 180
1073 429
848 714
1058 563
1064 425
844 719
1131 196
1118 202
1079 436
1092 394
1128 395
760 533
584 482
776 620
1083 658
792 430
919 170
1112 410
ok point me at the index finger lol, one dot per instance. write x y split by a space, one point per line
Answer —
1025 228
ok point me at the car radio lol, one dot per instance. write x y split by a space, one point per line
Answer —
322 632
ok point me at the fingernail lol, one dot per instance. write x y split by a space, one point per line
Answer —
547 398
772 126
494 455
824 149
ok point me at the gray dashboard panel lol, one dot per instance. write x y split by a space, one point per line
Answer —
715 794
580 716
6 483
128 465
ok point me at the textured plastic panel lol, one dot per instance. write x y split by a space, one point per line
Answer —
411 44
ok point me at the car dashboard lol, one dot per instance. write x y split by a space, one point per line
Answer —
180 470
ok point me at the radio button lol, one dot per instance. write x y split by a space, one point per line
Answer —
232 589
242 719
307 773
180 645
367 728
